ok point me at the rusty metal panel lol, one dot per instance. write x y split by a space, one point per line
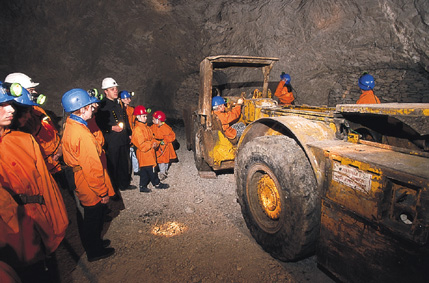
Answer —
206 77
375 213
415 115
356 250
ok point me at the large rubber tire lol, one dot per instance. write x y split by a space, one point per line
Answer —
275 168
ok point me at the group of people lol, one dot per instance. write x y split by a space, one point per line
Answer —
100 137
285 96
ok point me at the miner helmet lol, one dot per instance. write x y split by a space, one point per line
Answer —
123 94
217 100
285 77
77 98
108 83
140 110
159 115
21 95
366 82
24 80
4 95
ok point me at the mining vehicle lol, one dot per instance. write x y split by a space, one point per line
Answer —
348 183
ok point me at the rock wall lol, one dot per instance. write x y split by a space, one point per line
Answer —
154 47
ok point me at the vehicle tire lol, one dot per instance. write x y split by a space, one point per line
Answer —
278 195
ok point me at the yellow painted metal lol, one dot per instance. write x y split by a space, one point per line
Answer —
269 197
223 150
393 109
352 137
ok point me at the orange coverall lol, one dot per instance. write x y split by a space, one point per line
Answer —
46 135
83 152
131 117
165 152
31 230
368 97
226 118
143 139
285 97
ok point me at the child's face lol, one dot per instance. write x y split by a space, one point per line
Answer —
142 118
126 101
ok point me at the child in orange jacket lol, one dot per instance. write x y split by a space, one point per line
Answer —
166 136
146 144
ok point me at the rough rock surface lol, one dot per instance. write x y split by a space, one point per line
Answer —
154 47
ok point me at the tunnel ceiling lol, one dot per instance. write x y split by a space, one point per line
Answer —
154 47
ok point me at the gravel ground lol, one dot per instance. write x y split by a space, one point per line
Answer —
207 239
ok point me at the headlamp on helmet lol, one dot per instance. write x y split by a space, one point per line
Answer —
94 93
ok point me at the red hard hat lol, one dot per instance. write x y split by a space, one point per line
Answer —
159 115
140 110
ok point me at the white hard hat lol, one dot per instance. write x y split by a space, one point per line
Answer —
108 83
24 80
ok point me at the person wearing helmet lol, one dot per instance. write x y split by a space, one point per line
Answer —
284 90
33 119
232 131
126 100
163 133
83 153
33 217
113 121
146 144
366 84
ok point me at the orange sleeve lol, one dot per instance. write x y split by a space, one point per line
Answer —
282 93
23 171
142 140
368 97
168 134
92 168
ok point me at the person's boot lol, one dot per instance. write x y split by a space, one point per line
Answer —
162 186
103 253
145 190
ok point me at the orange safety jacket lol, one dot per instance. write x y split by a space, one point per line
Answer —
143 139
368 97
131 117
165 152
33 217
44 132
83 152
227 118
285 97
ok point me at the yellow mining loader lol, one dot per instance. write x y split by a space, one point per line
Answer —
350 183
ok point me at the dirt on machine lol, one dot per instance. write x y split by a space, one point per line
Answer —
348 183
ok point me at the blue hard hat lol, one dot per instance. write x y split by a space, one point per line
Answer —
123 94
366 82
77 98
4 95
217 100
21 95
285 77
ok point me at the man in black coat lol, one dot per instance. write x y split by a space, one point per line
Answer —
112 120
